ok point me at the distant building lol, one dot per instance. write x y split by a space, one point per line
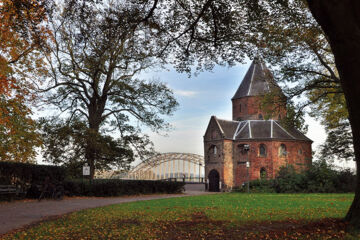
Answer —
265 144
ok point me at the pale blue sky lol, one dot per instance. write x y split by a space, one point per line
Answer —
200 97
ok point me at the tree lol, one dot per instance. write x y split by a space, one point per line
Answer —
98 52
305 67
341 23
23 33
18 132
66 144
332 111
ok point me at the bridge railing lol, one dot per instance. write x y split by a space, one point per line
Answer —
187 180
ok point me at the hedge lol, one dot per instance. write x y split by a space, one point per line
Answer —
117 187
25 174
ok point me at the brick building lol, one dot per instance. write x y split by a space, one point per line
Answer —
265 144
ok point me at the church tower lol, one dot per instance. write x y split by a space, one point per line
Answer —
254 144
248 99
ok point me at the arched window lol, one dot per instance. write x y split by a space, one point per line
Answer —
300 151
261 117
282 150
212 151
262 150
263 174
240 107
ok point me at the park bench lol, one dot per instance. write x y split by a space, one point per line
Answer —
8 190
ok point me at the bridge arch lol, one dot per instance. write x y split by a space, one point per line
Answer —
186 166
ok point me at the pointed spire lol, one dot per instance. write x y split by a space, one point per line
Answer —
257 81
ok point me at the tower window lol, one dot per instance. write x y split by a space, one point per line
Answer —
240 107
282 150
262 150
260 116
212 151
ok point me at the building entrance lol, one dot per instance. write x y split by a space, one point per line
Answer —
214 180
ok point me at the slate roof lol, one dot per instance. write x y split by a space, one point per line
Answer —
257 81
258 129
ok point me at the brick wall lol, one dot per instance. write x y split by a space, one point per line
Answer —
249 108
271 162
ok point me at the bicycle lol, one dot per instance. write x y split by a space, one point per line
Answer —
51 190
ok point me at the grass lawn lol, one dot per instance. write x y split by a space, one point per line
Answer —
219 216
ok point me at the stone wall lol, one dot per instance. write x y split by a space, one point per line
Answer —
213 138
228 177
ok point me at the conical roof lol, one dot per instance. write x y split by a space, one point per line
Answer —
257 81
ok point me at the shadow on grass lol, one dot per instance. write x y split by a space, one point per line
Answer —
201 227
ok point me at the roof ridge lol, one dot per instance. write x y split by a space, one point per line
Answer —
242 128
252 78
227 120
216 120
285 130
237 128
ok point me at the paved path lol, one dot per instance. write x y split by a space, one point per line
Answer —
18 214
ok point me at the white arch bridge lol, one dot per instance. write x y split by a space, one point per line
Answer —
187 167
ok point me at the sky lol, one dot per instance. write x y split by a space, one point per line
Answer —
202 96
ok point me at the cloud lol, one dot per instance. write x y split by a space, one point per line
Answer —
185 93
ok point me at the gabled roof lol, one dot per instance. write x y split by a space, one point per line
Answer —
257 81
259 129
228 127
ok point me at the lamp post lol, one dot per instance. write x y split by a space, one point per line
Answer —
246 149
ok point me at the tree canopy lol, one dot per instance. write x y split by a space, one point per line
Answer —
23 36
98 52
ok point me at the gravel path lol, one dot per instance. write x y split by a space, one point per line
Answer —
18 214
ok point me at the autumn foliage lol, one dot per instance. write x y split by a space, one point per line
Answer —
23 33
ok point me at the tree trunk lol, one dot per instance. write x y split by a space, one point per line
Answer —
340 20
95 118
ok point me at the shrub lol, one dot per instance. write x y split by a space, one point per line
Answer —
116 187
288 181
320 178
261 186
